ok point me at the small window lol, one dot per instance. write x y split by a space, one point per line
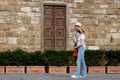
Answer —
81 1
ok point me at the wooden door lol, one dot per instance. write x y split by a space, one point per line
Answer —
55 27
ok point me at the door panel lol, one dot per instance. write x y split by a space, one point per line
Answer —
60 36
54 27
48 27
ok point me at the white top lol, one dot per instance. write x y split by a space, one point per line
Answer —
77 35
80 37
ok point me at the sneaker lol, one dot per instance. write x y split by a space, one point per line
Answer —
83 76
80 76
73 76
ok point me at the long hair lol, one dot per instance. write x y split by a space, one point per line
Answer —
82 30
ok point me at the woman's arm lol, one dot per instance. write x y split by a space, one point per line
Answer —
80 42
73 37
74 40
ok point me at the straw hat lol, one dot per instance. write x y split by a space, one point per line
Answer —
78 24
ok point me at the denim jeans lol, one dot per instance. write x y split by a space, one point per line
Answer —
81 63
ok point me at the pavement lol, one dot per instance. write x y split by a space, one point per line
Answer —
57 77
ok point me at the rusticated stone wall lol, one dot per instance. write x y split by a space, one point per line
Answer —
21 23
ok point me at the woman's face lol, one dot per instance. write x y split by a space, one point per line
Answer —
77 28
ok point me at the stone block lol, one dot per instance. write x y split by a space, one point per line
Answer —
102 35
37 34
36 3
35 20
57 69
15 69
5 28
71 1
3 7
26 34
3 40
90 42
113 16
89 1
99 42
2 20
10 19
21 14
103 6
112 11
25 9
37 41
94 35
32 34
80 1
28 47
107 22
37 28
99 11
98 1
22 28
35 69
38 47
87 11
1 34
113 35
113 69
93 47
117 1
4 13
26 20
73 20
22 41
13 3
2 69
12 40
3 2
109 1
115 47
118 12
17 34
30 28
35 9
72 69
89 21
118 41
107 42
31 41
115 24
5 47
8 34
113 30
96 69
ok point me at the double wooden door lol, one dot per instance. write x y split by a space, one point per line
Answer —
55 27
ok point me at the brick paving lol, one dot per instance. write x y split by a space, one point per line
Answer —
57 77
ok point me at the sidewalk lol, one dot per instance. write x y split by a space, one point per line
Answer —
57 77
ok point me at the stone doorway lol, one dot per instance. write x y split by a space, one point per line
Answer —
54 27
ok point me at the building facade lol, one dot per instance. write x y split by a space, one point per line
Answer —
47 24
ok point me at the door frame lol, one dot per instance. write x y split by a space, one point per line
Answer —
42 22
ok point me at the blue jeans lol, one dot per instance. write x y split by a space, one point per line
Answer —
81 63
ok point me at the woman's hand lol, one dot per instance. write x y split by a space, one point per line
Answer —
75 47
73 37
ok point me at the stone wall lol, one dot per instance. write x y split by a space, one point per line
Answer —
21 23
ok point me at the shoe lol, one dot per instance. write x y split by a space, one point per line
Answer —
80 76
73 76
83 76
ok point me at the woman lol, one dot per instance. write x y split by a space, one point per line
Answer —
80 44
